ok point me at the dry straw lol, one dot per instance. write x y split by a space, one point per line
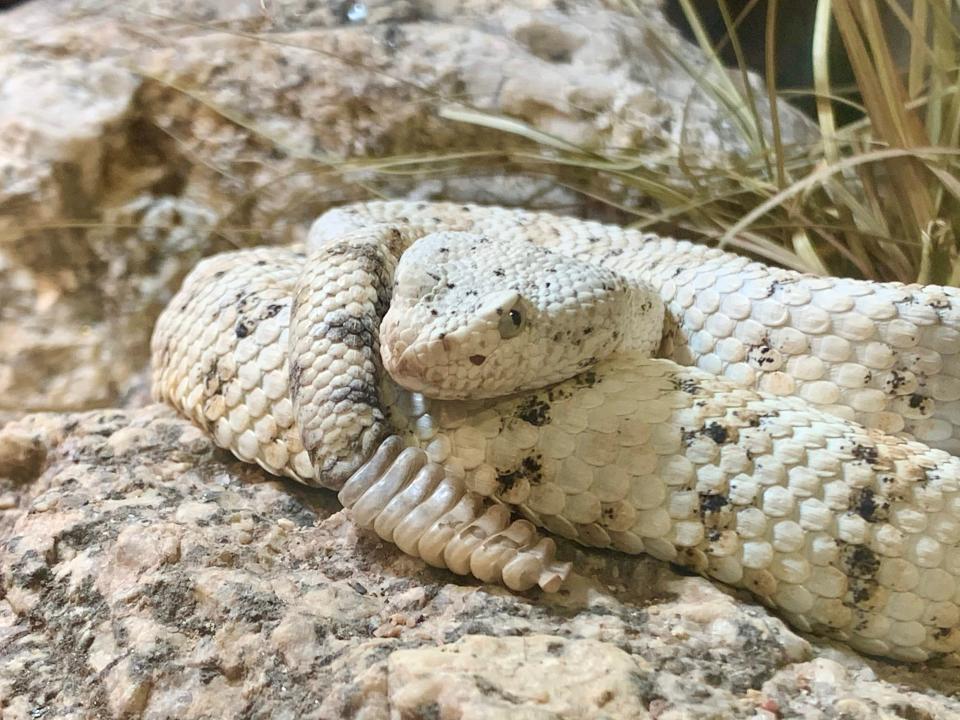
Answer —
877 198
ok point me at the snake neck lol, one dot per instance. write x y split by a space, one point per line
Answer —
643 321
335 370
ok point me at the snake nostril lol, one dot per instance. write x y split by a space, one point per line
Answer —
478 359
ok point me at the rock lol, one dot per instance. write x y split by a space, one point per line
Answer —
144 573
176 148
21 455
536 676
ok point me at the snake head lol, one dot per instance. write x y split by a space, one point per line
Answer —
479 317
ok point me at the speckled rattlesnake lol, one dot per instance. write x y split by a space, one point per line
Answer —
749 468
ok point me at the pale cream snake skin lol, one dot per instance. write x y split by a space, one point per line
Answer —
750 468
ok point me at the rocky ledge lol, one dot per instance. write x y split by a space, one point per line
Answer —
148 574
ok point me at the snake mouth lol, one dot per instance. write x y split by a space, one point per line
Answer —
406 368
406 364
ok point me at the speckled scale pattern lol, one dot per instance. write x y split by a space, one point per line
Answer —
846 531
885 354
220 356
341 296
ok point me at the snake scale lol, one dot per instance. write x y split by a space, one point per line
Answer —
793 435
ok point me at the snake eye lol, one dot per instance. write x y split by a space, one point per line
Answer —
512 322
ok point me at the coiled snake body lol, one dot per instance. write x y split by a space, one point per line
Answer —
760 448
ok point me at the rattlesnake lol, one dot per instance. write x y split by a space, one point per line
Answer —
750 468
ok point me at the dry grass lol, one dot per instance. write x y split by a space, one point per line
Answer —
878 198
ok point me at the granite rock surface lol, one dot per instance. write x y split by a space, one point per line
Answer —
146 573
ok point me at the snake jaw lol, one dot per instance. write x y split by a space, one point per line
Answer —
431 337
404 365
451 367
